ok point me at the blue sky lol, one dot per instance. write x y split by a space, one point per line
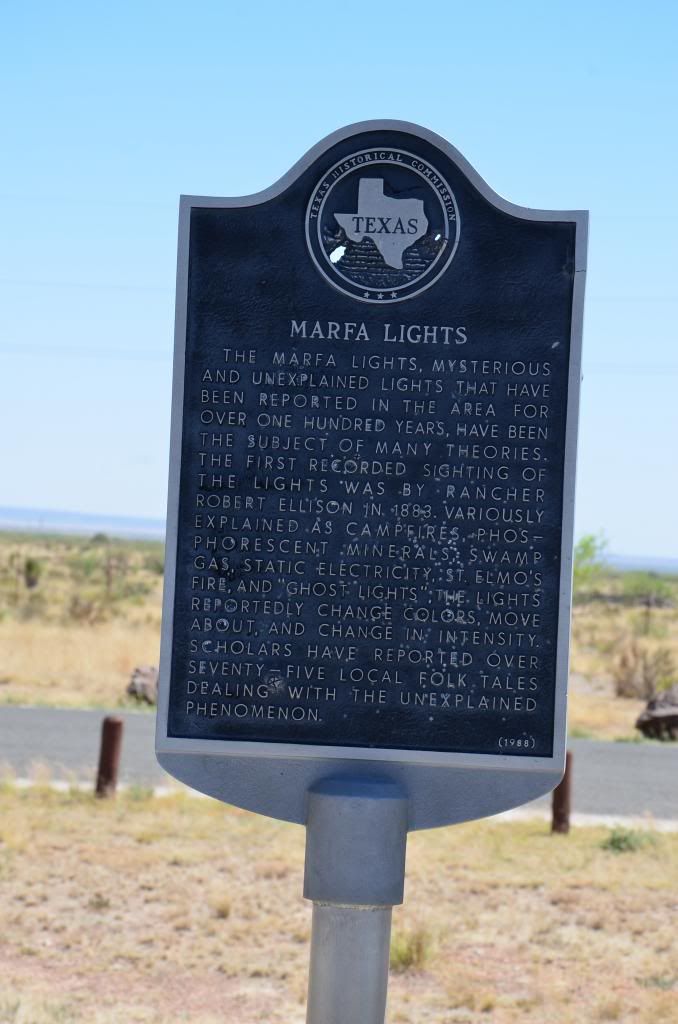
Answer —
109 112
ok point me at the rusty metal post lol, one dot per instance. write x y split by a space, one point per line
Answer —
562 800
109 756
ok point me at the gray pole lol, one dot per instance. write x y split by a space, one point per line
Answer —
355 873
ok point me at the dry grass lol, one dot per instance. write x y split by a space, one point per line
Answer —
602 629
598 714
182 910
73 640
73 665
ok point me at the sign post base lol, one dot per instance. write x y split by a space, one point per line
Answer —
355 874
349 964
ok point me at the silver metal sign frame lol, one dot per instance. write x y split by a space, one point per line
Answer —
442 787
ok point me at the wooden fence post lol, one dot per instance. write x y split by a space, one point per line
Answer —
109 756
562 799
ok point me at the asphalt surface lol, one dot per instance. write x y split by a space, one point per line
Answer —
609 778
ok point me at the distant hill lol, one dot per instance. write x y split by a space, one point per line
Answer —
43 520
645 563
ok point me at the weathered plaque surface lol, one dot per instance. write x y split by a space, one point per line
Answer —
372 470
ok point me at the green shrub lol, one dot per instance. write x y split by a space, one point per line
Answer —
641 673
648 588
155 564
84 567
410 950
32 572
627 840
589 562
666 983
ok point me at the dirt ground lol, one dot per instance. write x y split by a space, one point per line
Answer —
178 909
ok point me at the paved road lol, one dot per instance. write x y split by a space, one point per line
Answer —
68 742
609 778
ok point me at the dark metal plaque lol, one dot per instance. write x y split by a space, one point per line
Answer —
373 460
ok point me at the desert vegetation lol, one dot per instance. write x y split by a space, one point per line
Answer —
78 614
163 910
624 642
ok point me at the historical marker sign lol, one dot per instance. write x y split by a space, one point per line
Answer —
371 498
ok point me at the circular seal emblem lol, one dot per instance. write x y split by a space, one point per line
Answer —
382 225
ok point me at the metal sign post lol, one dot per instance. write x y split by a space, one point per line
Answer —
355 873
369 540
